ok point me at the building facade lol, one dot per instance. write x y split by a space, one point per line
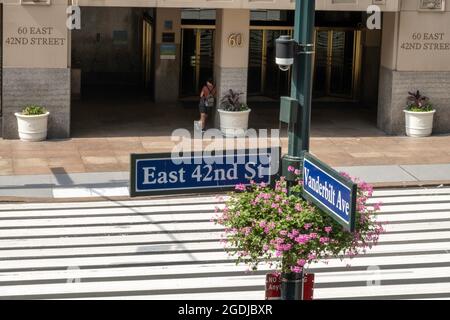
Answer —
169 47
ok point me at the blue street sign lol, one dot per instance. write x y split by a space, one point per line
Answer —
330 191
162 173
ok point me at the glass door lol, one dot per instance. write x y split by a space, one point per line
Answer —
264 76
337 63
255 63
197 61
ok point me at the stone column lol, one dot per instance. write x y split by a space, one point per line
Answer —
370 67
36 60
167 66
231 50
415 56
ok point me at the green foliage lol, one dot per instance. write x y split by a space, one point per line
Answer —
418 103
33 110
268 224
231 101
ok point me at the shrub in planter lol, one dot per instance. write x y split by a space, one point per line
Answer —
269 225
419 115
233 115
32 123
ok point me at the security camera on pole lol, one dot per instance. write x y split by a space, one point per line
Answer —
296 109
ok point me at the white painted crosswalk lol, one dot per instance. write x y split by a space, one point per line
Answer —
168 248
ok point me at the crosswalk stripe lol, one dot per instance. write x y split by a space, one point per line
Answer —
167 248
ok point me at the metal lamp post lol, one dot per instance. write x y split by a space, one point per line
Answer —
301 86
296 109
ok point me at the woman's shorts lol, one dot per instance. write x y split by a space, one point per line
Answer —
202 108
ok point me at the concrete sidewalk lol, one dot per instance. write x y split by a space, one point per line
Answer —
84 155
115 184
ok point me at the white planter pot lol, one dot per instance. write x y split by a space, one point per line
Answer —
234 123
32 128
419 124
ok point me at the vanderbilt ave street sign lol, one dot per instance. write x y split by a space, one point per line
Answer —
331 192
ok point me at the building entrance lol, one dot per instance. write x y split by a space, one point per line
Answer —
337 64
264 76
197 58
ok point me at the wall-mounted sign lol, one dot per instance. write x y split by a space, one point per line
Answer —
167 51
160 173
168 37
235 40
331 192
432 5
427 41
35 36
168 24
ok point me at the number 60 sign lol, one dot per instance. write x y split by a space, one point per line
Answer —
235 40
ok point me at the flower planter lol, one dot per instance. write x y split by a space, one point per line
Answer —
419 124
32 128
234 123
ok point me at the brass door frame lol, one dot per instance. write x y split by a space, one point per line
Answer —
264 30
356 63
197 50
147 50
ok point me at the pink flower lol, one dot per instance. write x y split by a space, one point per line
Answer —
297 172
324 240
302 239
313 235
262 224
240 187
377 206
283 232
263 185
327 229
291 169
311 256
301 262
296 269
307 226
247 230
265 247
298 207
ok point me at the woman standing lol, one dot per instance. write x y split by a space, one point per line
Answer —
207 96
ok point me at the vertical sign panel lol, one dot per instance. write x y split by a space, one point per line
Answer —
330 191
